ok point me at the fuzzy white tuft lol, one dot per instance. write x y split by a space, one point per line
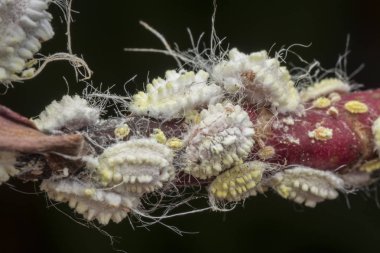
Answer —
259 78
140 165
307 185
73 113
173 96
221 139
7 166
324 88
24 24
91 202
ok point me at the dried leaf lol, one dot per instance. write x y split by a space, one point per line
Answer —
19 134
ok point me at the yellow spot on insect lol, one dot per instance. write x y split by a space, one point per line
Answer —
141 100
321 133
158 135
175 143
28 73
169 85
321 102
266 152
149 87
122 131
237 183
355 106
31 63
192 117
370 166
284 191
89 191
106 176
156 81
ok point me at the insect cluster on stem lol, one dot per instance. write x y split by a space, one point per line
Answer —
232 122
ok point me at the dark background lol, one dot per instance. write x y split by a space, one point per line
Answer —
265 223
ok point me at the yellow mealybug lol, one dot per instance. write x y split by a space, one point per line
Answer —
321 102
355 106
122 131
175 143
237 183
158 135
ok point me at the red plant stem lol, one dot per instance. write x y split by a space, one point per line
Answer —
351 142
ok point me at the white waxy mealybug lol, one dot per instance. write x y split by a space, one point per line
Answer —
70 112
24 24
307 185
138 165
324 88
237 183
221 139
93 203
259 78
175 95
7 166
376 134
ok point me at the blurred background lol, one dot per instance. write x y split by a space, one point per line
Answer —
265 223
